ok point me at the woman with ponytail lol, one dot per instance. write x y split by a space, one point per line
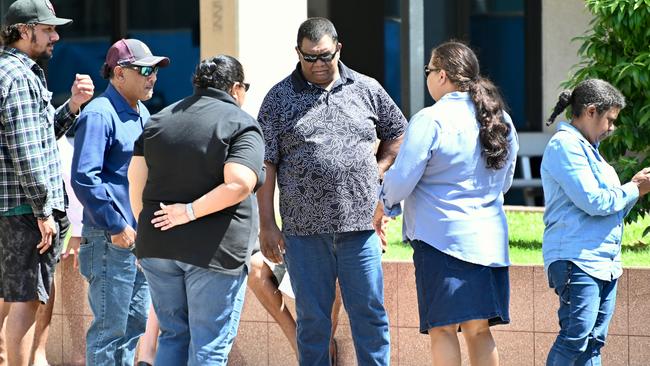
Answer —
585 207
454 166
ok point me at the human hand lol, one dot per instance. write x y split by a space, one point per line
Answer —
73 248
169 216
384 225
48 230
125 239
379 223
642 180
82 90
272 243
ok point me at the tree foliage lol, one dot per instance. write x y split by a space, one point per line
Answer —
617 49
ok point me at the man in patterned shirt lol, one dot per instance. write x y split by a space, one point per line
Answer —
320 125
32 199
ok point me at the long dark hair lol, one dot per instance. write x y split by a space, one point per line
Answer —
596 92
462 68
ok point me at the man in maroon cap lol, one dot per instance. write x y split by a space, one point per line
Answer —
107 129
32 199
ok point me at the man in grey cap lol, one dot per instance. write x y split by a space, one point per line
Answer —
105 134
32 198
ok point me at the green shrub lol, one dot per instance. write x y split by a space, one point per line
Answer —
617 49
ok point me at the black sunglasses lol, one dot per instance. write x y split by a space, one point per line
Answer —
144 70
325 57
246 85
428 71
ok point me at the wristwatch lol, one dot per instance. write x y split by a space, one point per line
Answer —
190 211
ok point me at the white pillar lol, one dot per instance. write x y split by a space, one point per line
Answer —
562 20
260 34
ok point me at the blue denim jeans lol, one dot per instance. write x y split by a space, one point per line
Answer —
119 298
314 262
198 310
586 308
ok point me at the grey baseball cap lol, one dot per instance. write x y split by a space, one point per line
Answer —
33 12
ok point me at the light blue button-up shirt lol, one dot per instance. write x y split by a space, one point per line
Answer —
585 205
452 201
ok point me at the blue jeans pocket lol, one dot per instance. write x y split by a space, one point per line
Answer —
565 292
118 248
86 259
560 280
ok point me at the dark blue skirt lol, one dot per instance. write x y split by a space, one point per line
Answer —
452 291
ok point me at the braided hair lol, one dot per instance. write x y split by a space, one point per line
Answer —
596 92
462 68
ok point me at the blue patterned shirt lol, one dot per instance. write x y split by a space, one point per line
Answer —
30 168
322 143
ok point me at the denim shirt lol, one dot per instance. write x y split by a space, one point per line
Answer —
452 200
585 205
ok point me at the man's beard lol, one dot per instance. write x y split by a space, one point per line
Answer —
44 56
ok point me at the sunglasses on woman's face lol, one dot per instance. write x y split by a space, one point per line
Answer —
144 70
428 71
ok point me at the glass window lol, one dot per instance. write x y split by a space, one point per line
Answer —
170 28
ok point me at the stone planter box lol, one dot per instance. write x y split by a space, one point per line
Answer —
525 341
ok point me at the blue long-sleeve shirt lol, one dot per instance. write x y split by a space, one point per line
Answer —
585 205
105 133
452 201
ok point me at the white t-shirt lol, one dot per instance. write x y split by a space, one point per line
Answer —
75 209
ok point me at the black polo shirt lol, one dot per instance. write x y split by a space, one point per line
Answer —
186 146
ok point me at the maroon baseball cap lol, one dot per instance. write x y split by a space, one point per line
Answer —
132 52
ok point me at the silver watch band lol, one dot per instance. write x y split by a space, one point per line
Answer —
190 211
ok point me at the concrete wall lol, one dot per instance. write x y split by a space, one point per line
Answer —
562 20
524 342
260 34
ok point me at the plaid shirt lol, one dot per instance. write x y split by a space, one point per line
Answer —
30 168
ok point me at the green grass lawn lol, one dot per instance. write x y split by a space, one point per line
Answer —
526 231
